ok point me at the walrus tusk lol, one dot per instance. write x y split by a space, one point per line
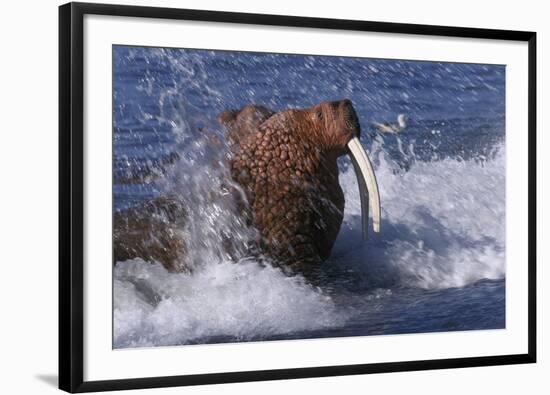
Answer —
368 186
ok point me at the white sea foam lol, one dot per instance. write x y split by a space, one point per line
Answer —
443 223
242 300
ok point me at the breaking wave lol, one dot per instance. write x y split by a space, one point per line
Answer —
444 223
443 227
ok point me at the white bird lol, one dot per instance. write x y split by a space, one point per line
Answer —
387 127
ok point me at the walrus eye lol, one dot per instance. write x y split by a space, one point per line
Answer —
319 115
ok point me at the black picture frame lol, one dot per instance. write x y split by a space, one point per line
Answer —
71 205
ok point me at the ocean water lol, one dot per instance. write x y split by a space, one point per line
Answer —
438 263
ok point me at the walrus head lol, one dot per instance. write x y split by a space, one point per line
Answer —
332 125
286 163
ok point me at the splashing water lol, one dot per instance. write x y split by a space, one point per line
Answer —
444 224
450 237
236 302
438 264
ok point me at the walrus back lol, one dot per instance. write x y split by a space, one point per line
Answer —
151 231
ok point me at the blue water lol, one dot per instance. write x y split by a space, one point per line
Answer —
439 262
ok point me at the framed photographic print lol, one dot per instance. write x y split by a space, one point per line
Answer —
253 197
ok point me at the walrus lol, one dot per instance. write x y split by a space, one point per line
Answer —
286 164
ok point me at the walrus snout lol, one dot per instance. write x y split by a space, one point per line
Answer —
350 116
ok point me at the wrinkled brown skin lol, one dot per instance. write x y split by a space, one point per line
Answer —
241 123
286 163
287 166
